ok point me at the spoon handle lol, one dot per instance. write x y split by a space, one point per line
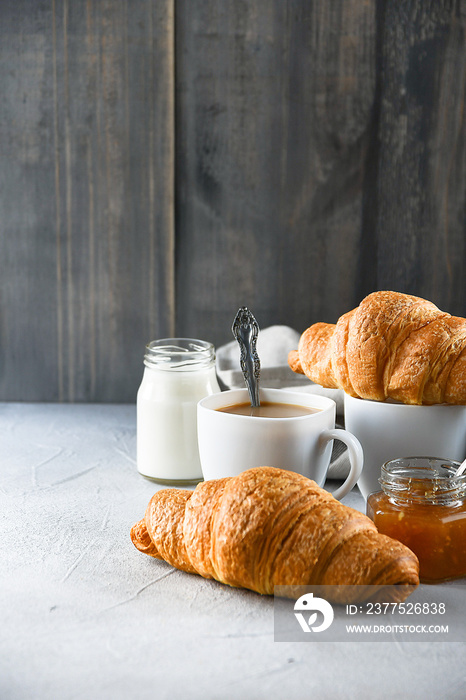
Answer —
461 469
246 329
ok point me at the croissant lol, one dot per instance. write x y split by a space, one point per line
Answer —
392 346
268 527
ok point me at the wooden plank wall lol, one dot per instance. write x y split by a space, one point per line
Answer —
87 191
164 162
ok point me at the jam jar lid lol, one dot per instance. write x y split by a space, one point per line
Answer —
430 480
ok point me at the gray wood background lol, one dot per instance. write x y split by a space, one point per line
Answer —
164 162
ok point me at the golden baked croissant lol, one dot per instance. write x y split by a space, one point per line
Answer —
392 346
268 527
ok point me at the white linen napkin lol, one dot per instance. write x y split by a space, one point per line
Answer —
273 345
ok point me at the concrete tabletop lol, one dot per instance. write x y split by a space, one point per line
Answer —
85 615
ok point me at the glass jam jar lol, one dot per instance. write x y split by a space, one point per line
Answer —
423 504
178 373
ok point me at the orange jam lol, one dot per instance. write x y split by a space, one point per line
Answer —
423 505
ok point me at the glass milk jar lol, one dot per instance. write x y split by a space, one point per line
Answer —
178 373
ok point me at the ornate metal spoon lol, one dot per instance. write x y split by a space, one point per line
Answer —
246 329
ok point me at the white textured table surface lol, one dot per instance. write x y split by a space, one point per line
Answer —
85 615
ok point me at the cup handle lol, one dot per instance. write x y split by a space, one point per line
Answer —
355 454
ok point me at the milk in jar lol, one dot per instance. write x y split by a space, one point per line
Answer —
178 372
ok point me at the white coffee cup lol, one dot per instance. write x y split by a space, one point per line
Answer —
387 430
231 443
